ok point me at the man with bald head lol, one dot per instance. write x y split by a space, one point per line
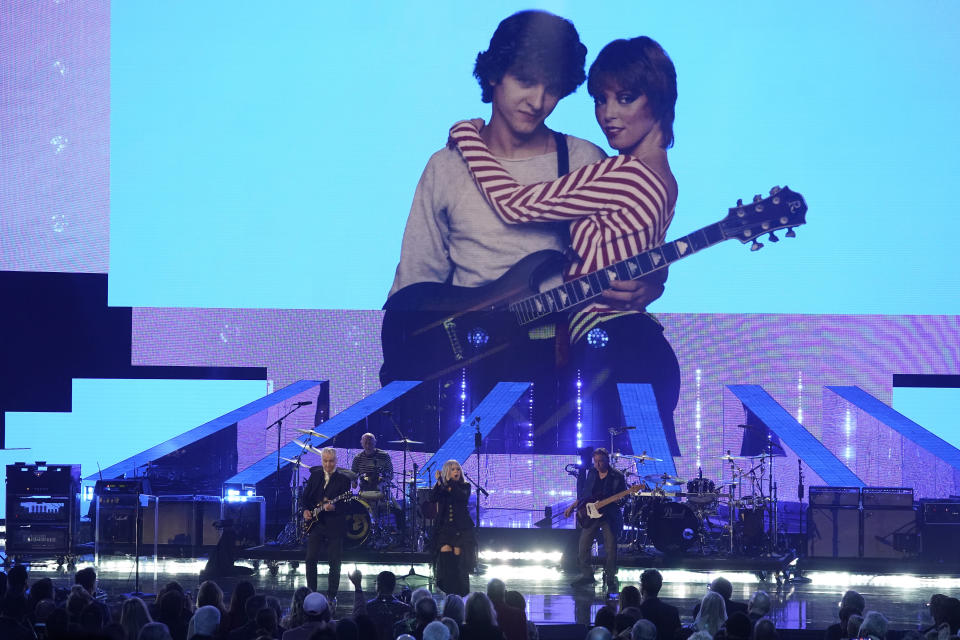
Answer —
373 466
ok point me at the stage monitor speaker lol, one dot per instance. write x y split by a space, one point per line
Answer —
890 533
833 532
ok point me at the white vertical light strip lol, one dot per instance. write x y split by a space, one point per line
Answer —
800 397
698 415
463 395
579 410
848 433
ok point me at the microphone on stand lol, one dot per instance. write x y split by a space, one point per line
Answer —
800 483
303 403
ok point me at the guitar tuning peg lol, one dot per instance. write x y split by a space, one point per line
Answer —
757 198
774 191
756 246
774 238
791 233
739 202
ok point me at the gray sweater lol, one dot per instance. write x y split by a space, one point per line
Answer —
452 229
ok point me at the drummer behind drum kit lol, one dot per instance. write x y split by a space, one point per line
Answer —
375 519
735 518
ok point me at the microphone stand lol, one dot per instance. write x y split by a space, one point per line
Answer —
477 442
278 423
404 489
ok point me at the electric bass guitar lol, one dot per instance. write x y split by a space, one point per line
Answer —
317 510
589 509
431 329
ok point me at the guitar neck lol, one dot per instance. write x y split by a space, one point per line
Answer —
613 498
583 289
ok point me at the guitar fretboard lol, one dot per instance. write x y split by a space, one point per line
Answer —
581 290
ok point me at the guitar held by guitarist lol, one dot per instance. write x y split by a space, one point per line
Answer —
600 489
326 486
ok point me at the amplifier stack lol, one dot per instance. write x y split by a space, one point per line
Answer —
43 509
870 523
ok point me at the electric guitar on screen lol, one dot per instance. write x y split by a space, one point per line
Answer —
431 329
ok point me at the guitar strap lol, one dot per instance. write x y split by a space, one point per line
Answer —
562 341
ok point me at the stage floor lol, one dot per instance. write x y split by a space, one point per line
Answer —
550 599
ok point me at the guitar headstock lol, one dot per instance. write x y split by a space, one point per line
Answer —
782 209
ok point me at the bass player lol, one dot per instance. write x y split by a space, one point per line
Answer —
602 482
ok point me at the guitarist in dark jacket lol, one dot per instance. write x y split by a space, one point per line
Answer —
326 483
602 482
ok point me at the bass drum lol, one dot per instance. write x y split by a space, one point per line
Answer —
672 527
358 522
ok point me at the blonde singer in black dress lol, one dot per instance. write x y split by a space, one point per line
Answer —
454 528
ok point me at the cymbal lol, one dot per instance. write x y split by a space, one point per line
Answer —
730 458
404 441
643 457
311 448
314 433
664 478
299 462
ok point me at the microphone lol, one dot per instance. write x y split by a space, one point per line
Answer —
386 412
304 403
800 483
475 422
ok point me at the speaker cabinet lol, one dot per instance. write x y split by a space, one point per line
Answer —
890 533
833 532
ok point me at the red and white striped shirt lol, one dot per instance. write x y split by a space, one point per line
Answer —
617 208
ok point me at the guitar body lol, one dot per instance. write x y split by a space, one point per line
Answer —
431 329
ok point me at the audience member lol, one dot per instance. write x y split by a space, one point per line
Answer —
424 612
17 581
236 614
644 630
874 626
758 606
854 620
91 619
316 611
133 615
436 630
605 617
154 631
629 597
58 625
87 578
113 631
76 602
205 623
737 626
267 624
365 626
516 600
479 619
42 589
722 586
211 595
512 621
623 623
664 616
764 629
13 616
295 616
454 627
599 633
249 630
3 584
851 602
346 629
385 610
170 612
711 613
453 608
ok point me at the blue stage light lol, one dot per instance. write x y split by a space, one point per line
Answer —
478 338
597 338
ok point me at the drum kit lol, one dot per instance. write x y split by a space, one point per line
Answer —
736 517
375 518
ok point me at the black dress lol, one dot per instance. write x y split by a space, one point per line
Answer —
454 526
